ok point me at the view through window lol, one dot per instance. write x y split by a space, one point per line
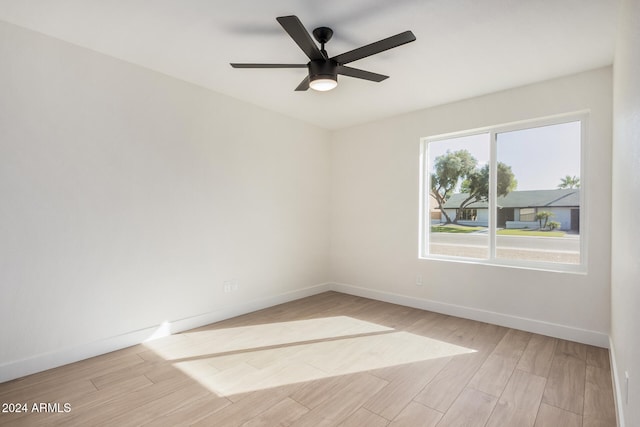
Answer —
510 194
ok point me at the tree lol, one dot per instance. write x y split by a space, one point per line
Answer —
543 215
460 169
569 182
449 169
476 185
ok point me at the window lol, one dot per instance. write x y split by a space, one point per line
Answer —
527 214
508 194
467 214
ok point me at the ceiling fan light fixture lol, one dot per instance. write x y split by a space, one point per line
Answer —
324 70
323 83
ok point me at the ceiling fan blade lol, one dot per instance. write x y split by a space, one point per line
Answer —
373 48
304 85
243 65
300 35
360 74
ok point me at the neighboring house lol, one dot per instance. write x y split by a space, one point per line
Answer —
518 209
434 210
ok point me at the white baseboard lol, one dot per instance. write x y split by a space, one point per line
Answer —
247 307
530 325
617 385
42 362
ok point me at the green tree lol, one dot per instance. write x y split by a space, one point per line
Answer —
476 185
543 216
569 182
449 169
459 170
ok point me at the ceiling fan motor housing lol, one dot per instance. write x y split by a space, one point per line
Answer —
323 69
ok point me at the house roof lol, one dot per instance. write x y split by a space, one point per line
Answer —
524 199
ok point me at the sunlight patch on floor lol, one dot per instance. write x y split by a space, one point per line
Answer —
235 360
217 341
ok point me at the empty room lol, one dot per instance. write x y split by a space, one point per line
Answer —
287 213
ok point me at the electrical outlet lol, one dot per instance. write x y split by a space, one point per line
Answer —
230 285
419 280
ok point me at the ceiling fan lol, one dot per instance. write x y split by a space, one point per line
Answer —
323 71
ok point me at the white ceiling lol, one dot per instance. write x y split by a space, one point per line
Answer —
464 48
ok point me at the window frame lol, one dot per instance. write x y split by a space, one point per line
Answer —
493 131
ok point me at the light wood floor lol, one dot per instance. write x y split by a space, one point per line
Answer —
331 359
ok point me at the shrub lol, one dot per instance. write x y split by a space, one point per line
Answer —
543 216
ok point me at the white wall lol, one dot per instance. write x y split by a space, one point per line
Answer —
374 219
127 197
625 254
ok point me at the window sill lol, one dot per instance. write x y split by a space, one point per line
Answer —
579 269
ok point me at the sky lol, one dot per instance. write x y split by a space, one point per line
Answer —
539 157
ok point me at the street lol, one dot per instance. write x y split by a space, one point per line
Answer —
552 249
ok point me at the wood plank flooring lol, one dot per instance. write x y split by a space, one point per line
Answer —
329 360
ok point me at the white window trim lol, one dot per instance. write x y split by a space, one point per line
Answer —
425 220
